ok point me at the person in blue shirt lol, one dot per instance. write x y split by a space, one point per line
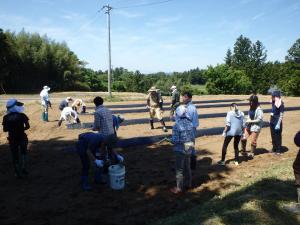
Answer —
183 140
192 114
233 129
276 121
65 103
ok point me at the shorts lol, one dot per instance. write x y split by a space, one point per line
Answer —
156 112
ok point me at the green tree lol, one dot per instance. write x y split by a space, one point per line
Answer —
228 58
294 52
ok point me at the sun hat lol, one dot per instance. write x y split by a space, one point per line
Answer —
13 102
173 87
153 89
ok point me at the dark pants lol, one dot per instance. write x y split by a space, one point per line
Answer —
183 170
82 147
276 137
227 140
18 148
296 167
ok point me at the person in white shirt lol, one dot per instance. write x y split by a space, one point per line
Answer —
67 114
45 102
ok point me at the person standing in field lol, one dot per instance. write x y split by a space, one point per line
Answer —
254 125
183 140
15 122
175 100
233 129
276 122
192 114
45 102
154 104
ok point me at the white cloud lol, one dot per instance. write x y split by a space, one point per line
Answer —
258 16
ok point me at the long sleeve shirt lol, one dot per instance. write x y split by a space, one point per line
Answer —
103 121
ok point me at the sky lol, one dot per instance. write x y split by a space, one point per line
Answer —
176 35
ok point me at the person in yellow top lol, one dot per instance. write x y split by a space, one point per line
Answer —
78 103
154 104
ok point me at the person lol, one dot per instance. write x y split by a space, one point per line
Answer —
117 120
276 122
154 104
183 140
175 100
15 122
193 115
45 102
67 114
103 123
65 103
253 127
295 207
93 142
77 104
233 129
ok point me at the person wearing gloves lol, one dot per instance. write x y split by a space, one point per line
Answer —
15 122
93 142
276 122
192 114
233 129
77 104
154 104
183 140
67 114
45 102
175 100
65 103
254 124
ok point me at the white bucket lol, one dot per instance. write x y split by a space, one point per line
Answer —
116 176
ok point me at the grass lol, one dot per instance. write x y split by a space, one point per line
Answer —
256 201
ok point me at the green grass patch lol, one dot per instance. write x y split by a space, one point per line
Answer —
258 200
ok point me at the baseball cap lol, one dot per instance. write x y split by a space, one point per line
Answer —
13 102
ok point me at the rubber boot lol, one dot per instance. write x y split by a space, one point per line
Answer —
151 124
244 144
164 126
18 173
85 183
43 116
23 164
59 123
46 117
83 109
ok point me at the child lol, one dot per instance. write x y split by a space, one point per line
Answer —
276 122
67 114
254 124
183 140
15 122
234 128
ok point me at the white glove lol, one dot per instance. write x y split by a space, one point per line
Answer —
224 134
99 163
120 158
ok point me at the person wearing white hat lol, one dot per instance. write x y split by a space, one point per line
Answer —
175 100
67 114
183 140
45 102
15 122
154 104
65 103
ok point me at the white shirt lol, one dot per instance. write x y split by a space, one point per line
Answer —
68 113
44 96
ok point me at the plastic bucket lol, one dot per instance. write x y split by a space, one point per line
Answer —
117 176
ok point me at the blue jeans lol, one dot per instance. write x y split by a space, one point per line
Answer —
81 148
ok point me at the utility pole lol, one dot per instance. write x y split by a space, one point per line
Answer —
107 11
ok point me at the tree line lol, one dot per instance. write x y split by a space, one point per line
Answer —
29 61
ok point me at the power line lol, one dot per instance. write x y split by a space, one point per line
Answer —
146 4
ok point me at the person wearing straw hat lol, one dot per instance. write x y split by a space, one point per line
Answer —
175 100
78 103
45 102
15 122
154 101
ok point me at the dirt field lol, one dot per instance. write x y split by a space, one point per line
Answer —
52 195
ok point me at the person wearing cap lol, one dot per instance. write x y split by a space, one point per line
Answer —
65 103
15 122
175 100
295 208
276 122
192 114
67 114
254 124
234 129
183 140
93 142
77 104
154 103
45 102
